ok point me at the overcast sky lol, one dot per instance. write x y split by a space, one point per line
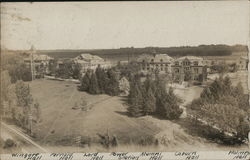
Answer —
86 25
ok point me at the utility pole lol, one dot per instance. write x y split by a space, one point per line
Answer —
30 123
32 63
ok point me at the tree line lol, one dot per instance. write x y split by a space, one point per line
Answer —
100 82
17 103
17 69
68 69
152 98
225 106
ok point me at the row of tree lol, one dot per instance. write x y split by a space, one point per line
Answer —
225 106
101 81
16 68
67 69
17 102
152 98
224 68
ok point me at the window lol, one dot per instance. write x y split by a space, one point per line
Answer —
177 70
152 60
176 63
196 70
186 63
196 78
161 64
143 61
195 63
166 64
161 60
161 69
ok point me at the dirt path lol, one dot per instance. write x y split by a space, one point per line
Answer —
27 145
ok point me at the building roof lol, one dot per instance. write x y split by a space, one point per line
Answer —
156 58
163 57
190 58
39 57
146 57
245 58
88 58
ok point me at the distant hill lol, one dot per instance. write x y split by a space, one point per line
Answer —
132 53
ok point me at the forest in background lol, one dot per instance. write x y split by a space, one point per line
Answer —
131 52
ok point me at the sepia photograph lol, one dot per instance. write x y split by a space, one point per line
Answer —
85 77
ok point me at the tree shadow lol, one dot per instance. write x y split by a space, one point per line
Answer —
124 113
197 129
124 100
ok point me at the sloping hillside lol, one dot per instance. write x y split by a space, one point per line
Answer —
61 124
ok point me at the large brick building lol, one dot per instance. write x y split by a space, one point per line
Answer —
38 63
188 68
155 63
88 61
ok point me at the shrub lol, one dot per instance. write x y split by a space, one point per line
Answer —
152 98
9 143
224 107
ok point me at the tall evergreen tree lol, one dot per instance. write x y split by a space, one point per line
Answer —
24 100
112 87
227 86
172 109
101 78
135 101
94 87
149 84
149 102
85 82
160 95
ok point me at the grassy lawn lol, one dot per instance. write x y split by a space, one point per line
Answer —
61 124
60 121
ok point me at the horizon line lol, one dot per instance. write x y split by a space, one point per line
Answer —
4 49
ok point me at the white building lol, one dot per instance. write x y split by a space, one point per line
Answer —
88 61
38 63
151 63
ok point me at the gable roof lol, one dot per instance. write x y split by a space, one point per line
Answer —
190 58
156 58
88 58
39 57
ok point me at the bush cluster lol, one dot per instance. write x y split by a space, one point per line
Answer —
152 98
68 69
225 107
100 81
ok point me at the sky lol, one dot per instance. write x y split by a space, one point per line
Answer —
100 25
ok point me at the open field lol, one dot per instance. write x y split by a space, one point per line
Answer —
61 124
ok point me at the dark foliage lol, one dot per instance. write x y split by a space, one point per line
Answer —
152 98
85 81
100 81
68 69
9 143
94 86
131 52
226 107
